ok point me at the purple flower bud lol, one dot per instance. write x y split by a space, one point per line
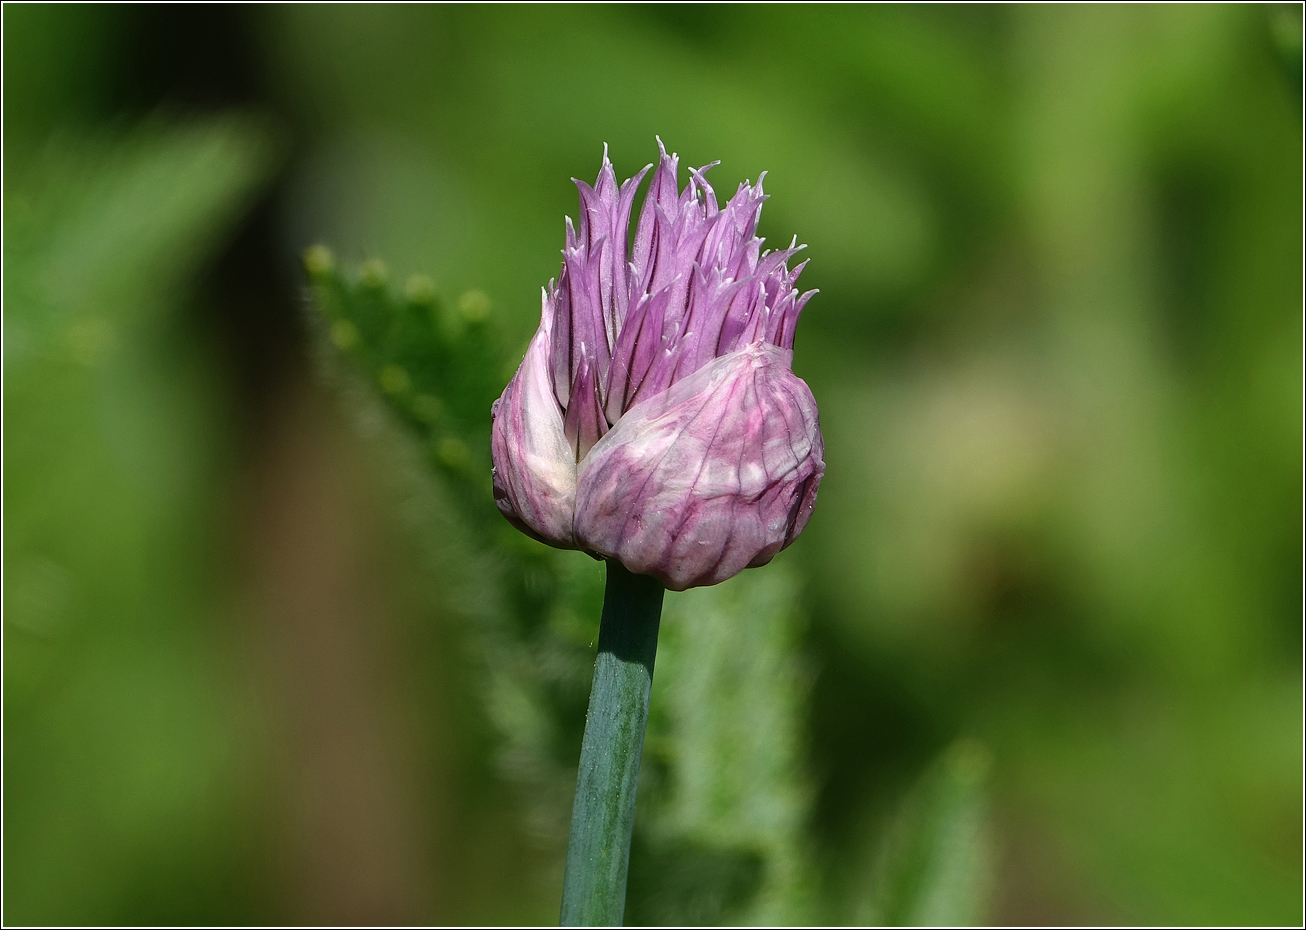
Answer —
655 418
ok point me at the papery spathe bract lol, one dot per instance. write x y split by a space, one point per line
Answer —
534 474
714 475
655 418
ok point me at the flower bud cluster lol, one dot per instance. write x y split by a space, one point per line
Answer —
655 418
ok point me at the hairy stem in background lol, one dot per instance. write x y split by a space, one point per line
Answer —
598 852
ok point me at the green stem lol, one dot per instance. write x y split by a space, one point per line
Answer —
598 853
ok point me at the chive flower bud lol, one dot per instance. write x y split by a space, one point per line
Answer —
655 418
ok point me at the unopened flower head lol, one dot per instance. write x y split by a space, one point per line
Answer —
655 418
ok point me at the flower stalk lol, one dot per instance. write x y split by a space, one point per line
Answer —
598 851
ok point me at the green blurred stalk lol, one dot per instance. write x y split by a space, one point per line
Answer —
598 852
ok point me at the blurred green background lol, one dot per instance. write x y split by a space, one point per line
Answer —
272 656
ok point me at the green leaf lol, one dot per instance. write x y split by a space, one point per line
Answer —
724 782
438 367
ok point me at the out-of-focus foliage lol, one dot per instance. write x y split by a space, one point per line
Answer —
123 739
1037 658
934 863
725 791
438 366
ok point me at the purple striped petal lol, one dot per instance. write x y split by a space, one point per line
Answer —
583 424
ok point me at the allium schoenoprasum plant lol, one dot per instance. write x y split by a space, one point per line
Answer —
655 423
721 832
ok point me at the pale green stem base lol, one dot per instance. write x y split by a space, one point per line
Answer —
598 852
